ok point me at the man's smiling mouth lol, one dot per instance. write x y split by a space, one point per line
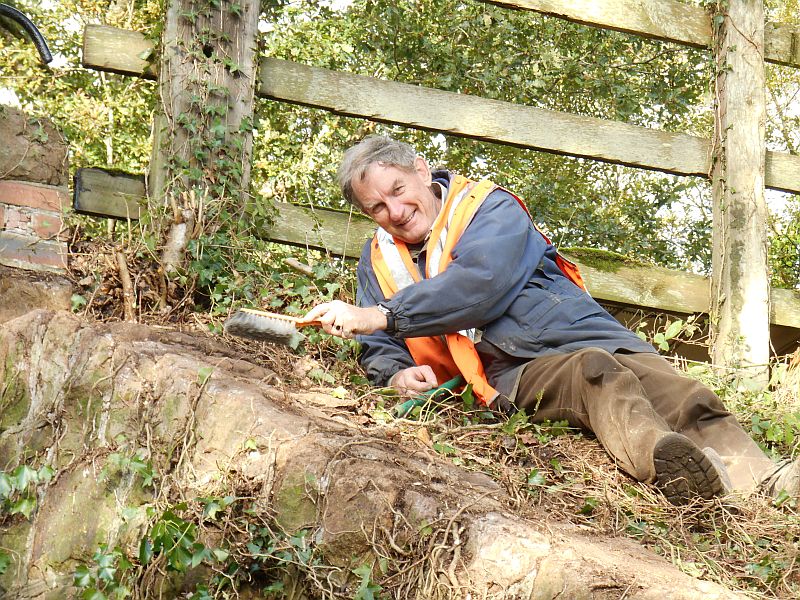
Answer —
411 216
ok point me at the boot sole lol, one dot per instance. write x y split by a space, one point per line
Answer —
683 471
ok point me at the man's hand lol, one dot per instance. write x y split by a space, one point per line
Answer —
414 380
345 320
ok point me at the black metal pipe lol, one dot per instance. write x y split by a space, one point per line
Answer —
33 31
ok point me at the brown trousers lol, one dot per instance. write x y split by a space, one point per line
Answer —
629 401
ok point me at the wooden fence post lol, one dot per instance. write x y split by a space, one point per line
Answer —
740 281
203 137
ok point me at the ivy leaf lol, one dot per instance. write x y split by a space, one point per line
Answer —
24 506
145 551
536 478
6 486
82 577
673 329
23 476
203 373
45 474
211 509
5 561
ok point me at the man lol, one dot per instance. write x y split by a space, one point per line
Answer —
459 280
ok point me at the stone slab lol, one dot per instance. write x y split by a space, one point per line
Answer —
29 252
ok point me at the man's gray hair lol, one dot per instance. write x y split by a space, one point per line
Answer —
372 149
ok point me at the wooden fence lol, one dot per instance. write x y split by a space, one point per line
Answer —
120 51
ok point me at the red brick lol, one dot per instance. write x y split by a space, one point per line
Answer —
28 252
2 217
17 218
45 225
34 195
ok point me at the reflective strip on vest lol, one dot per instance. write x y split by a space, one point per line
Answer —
453 353
394 268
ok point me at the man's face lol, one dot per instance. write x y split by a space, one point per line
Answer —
401 202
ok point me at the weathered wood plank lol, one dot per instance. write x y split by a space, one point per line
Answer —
668 20
118 51
108 193
647 287
503 122
492 120
479 118
337 232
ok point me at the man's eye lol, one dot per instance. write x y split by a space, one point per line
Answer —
399 189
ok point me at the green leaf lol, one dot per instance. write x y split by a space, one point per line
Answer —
203 373
674 329
220 554
23 476
211 509
24 506
106 573
445 449
145 551
6 486
179 558
200 554
78 302
82 577
5 561
589 505
124 563
93 594
46 474
536 478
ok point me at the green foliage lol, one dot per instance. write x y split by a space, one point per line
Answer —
771 417
366 589
136 463
671 332
18 496
18 489
784 248
103 578
175 538
514 56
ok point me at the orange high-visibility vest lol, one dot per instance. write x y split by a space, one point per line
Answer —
453 353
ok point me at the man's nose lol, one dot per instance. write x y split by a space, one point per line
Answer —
396 210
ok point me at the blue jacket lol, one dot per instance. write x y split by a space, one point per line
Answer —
503 280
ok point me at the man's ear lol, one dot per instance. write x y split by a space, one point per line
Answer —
421 167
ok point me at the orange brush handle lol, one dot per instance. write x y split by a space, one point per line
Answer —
296 320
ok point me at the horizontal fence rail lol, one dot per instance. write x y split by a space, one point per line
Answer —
342 233
667 20
455 114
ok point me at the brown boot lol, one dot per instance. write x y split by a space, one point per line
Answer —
684 471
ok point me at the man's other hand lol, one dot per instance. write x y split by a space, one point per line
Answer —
345 320
414 380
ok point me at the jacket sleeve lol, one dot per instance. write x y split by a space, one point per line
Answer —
382 355
492 262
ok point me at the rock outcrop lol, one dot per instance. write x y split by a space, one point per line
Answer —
74 395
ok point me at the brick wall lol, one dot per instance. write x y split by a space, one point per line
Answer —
31 226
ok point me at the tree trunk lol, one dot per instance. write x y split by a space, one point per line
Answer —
203 139
740 281
212 427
